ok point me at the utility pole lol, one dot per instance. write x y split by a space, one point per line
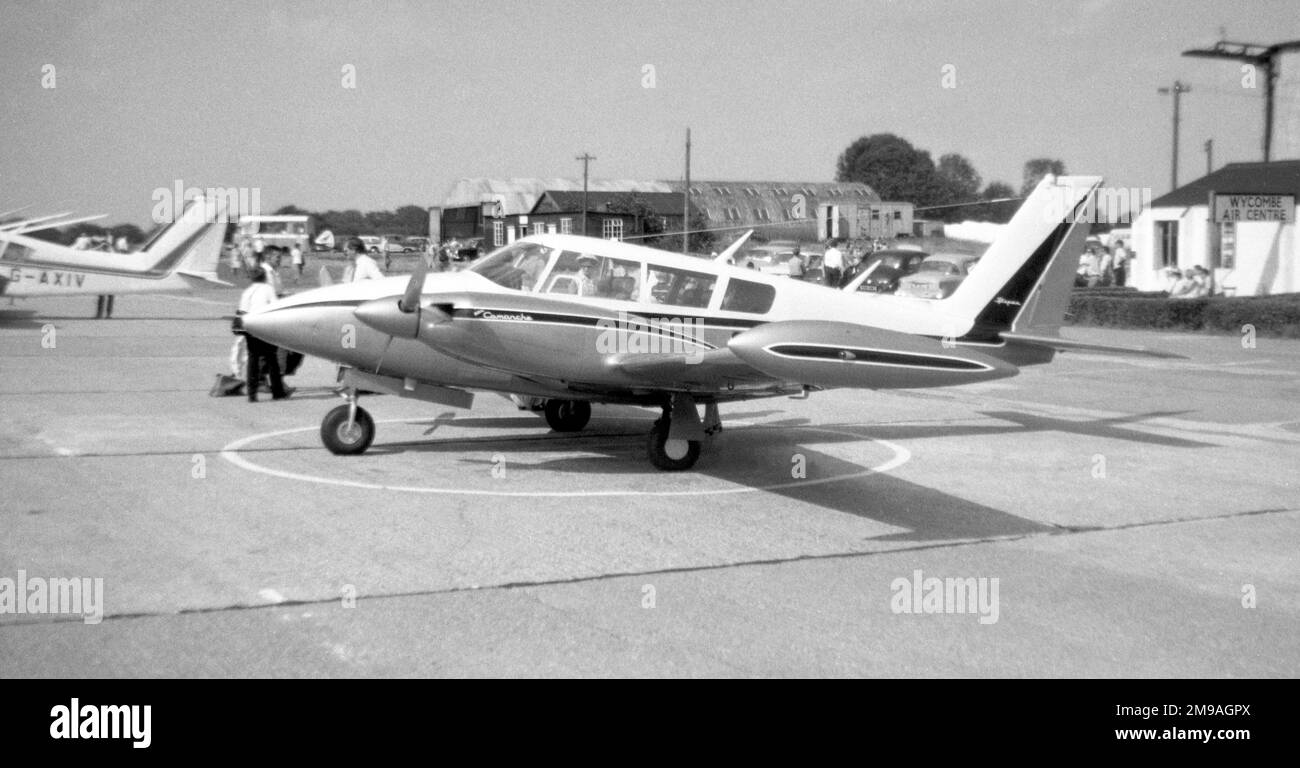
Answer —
686 210
1263 56
1179 88
586 159
1209 156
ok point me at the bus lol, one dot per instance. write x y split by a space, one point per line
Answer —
279 232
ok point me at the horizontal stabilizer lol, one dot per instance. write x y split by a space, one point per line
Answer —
1069 345
207 277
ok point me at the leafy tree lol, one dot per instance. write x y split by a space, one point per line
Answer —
892 167
1036 169
998 212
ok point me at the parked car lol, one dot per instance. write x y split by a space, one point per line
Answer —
937 276
883 269
775 259
396 244
371 241
417 243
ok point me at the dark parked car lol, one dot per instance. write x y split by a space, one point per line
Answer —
885 268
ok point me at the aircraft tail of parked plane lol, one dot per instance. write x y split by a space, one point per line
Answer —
1020 291
181 256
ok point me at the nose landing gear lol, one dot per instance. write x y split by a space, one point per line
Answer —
348 429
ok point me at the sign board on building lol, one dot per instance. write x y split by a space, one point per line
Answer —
1247 207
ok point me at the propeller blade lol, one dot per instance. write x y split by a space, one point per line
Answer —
411 299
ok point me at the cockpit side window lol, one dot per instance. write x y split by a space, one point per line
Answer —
519 266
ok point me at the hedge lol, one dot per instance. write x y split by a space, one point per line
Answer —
1277 316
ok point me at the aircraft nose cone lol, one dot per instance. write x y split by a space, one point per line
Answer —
385 316
267 326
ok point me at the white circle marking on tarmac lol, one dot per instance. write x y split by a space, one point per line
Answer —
231 454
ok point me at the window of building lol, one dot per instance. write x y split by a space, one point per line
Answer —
747 296
1167 243
566 226
498 233
539 228
898 215
680 288
1225 256
611 229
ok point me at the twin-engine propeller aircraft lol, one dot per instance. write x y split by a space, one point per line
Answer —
578 320
180 257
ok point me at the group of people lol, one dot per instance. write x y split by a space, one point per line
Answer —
105 242
250 254
837 265
1192 283
1100 266
255 357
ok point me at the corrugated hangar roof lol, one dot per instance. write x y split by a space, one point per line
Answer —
520 195
662 203
758 203
1281 177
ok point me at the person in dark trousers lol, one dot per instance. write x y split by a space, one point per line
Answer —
257 295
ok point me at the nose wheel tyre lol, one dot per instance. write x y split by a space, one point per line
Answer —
671 455
346 439
567 415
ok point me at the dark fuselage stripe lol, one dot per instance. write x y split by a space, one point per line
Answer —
875 357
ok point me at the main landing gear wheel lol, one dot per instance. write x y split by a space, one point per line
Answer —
567 415
671 455
344 438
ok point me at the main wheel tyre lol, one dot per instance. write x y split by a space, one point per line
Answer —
567 415
345 440
671 455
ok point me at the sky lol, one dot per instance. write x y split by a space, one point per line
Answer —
255 94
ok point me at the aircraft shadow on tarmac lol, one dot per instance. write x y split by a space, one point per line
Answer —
758 456
28 318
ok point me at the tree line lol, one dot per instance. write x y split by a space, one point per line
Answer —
949 190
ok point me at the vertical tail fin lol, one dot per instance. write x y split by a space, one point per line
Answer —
1023 281
191 244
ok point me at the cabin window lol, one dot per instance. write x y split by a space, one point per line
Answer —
612 229
680 288
586 274
11 251
747 296
566 226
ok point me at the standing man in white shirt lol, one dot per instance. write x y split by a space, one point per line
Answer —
257 295
832 265
363 267
295 258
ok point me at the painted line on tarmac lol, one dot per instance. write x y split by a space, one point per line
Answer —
231 454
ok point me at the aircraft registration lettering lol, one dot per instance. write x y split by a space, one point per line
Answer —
53 278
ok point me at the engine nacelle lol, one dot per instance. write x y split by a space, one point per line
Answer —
830 354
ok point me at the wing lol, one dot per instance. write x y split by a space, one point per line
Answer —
717 369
